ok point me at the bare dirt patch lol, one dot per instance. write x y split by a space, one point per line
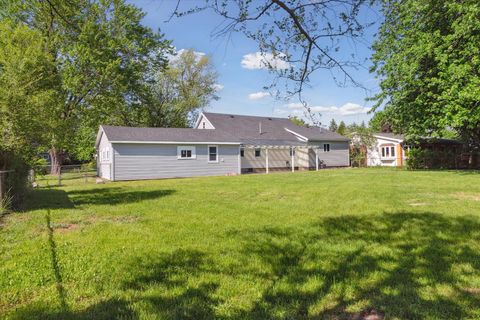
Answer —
415 203
467 196
124 219
471 290
369 314
65 227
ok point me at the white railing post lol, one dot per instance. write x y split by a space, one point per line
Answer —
266 160
293 159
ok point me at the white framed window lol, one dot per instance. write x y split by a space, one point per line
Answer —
388 152
242 152
326 147
212 153
292 152
186 152
104 155
203 124
258 152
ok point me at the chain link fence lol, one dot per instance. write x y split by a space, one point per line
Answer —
67 175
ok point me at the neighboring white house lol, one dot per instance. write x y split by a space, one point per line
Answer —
219 144
388 150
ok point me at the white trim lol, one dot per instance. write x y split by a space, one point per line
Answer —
177 142
388 138
208 153
198 121
297 134
239 160
192 149
112 177
99 136
266 160
293 161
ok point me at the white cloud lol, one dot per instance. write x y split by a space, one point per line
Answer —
295 105
218 87
258 95
285 112
260 60
345 110
177 53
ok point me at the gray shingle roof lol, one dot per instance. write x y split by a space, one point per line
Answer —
228 128
115 133
248 128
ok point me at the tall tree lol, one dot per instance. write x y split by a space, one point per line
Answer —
333 126
342 128
102 54
27 89
177 94
428 60
298 121
379 121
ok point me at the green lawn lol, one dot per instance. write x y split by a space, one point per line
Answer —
316 245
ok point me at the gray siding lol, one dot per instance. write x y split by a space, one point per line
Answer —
156 161
339 155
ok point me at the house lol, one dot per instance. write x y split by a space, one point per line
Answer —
219 144
391 150
388 150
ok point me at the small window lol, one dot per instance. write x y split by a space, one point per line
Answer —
186 153
392 151
203 124
387 151
383 152
104 155
326 147
292 152
242 153
257 152
212 154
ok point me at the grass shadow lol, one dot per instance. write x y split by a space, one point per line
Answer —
395 265
48 198
55 265
401 265
166 289
114 196
104 310
53 198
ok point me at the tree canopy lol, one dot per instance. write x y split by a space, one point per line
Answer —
295 38
427 57
179 92
333 125
103 59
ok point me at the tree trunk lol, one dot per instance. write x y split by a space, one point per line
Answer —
56 159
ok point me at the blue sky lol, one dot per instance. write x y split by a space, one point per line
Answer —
242 88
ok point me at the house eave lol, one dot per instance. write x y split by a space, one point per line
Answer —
175 142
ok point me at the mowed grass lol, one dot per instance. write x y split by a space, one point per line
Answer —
333 244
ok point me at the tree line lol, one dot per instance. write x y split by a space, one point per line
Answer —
68 66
